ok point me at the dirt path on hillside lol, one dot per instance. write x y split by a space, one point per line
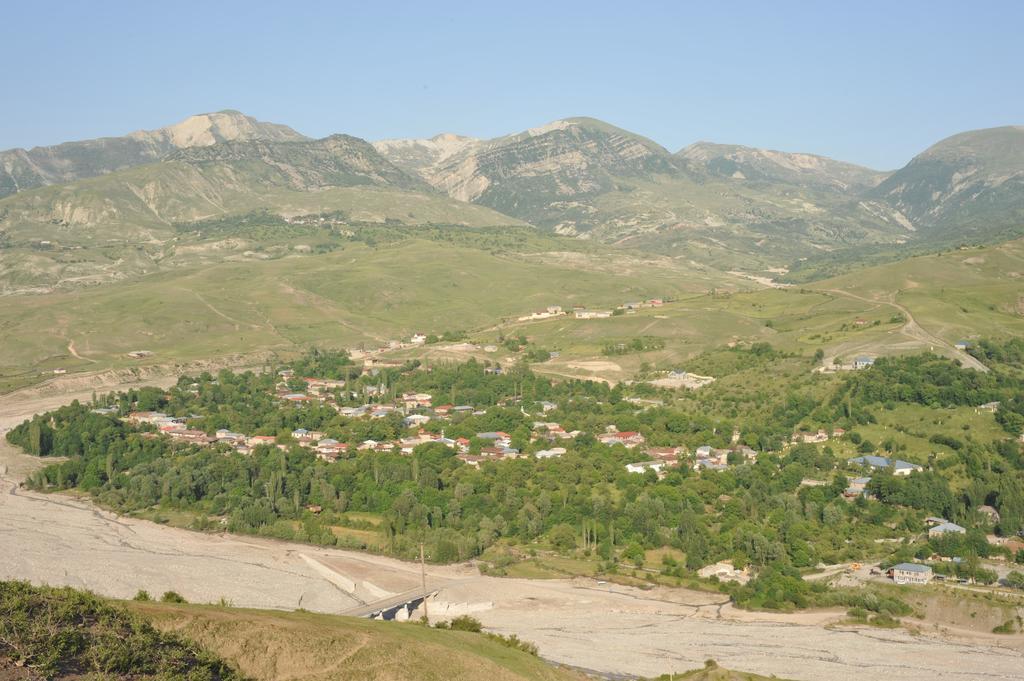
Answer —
914 330
326 303
74 352
238 324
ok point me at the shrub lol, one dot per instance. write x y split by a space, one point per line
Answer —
884 620
173 597
141 595
514 641
466 623
67 633
1007 627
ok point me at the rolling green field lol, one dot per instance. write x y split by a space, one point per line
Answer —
956 295
355 295
953 296
379 287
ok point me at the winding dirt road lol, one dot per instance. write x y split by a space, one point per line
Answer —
913 330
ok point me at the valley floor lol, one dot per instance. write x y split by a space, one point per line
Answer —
609 629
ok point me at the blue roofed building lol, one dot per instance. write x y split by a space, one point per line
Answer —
875 462
910 573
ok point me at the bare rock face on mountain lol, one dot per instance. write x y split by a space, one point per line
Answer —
763 165
22 169
423 156
335 161
533 174
971 184
583 177
723 205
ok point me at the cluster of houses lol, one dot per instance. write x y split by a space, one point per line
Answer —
176 429
858 486
711 458
548 313
916 573
586 313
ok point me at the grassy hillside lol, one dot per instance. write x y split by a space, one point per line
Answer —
967 186
959 294
362 292
66 634
136 242
275 646
386 284
48 633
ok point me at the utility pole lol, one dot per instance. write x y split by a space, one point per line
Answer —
423 580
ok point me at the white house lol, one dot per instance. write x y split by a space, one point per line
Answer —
644 466
724 571
946 528
863 362
910 573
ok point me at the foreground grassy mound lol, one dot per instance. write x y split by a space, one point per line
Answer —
712 672
48 633
65 634
273 646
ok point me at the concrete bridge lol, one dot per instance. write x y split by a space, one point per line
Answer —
398 607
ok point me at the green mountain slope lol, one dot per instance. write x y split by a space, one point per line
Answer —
131 221
763 165
120 207
368 289
22 169
968 186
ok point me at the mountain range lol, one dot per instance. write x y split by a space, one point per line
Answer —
726 205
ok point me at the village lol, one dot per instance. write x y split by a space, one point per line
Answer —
548 439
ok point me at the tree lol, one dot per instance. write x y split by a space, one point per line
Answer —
634 553
563 537
1015 579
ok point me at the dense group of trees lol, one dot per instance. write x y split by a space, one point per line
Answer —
757 514
924 379
1008 352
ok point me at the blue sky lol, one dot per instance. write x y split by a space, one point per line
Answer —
869 82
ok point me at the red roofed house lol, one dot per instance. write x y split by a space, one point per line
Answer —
628 439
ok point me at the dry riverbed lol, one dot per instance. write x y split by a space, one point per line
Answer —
606 628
